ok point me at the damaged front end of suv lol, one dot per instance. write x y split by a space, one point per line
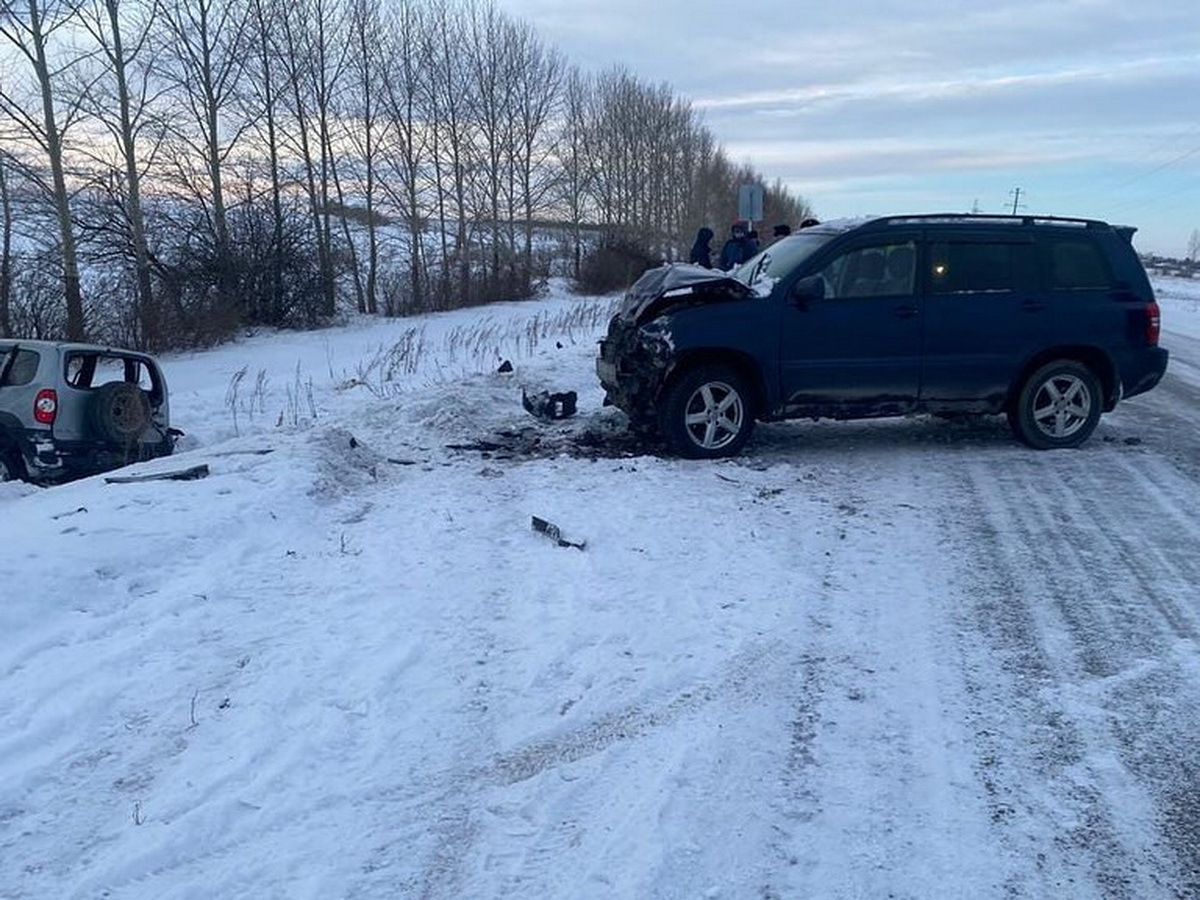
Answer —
638 353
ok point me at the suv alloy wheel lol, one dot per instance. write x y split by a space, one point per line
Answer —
707 413
1059 406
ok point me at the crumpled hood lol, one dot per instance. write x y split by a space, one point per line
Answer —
678 284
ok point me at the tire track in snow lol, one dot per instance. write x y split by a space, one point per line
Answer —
496 767
149 749
1164 419
552 799
627 724
874 794
1152 556
1061 606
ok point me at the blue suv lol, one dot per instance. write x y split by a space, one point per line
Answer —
1048 320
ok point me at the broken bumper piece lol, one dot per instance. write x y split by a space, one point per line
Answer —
547 405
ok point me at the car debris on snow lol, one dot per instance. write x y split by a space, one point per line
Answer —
547 405
553 532
189 474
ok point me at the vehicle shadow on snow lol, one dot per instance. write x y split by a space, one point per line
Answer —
606 435
784 440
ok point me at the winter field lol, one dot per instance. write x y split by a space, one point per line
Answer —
896 659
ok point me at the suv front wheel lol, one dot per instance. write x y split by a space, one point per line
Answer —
707 413
1059 406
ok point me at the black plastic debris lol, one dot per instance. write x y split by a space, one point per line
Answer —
552 531
547 405
505 366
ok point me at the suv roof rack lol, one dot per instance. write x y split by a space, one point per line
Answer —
996 218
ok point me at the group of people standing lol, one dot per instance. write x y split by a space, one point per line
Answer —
739 247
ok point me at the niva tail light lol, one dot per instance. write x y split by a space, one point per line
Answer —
45 406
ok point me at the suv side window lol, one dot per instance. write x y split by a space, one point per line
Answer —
23 369
878 271
980 266
1077 265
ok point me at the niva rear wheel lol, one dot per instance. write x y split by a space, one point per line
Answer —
12 467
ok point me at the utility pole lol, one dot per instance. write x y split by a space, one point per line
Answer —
1016 195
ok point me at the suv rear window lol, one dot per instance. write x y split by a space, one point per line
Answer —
86 370
1077 265
981 266
21 370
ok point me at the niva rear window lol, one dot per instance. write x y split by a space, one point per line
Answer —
22 369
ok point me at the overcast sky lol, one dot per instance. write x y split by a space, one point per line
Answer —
1089 107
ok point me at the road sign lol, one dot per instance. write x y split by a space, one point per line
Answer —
750 202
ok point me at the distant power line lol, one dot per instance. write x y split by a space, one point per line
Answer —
1103 187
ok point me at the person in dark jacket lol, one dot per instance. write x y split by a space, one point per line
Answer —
701 253
737 249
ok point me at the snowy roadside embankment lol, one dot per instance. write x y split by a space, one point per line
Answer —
902 657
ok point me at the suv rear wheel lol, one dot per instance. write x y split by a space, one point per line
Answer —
1059 406
707 413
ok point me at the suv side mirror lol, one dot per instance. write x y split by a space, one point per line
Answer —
807 291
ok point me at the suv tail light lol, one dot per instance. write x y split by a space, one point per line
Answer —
45 406
1153 323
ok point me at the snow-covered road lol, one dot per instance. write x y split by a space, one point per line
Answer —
907 659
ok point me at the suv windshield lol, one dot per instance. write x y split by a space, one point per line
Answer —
780 258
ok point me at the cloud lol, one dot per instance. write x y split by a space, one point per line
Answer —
1083 102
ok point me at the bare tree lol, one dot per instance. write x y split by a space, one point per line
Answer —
406 138
370 71
292 27
29 30
6 244
536 78
313 61
107 21
265 114
575 157
486 56
339 127
202 58
447 103
291 132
